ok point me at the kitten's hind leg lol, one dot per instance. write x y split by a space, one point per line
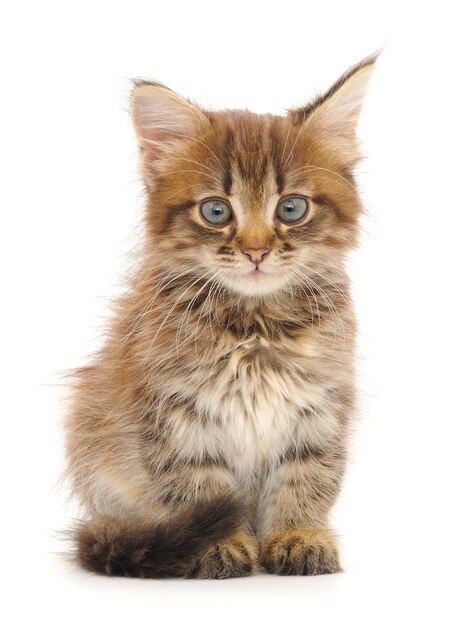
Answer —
132 548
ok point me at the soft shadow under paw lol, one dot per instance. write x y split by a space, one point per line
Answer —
237 556
305 552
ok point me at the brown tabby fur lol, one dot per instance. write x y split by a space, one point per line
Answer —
208 436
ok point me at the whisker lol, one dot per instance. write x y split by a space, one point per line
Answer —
329 282
285 143
289 158
324 169
209 169
187 311
171 311
336 317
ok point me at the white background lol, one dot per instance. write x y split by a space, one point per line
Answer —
70 204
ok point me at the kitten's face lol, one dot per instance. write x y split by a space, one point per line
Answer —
254 203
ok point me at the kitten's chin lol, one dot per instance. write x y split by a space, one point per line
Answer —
254 283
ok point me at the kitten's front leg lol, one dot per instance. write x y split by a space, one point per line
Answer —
296 503
203 478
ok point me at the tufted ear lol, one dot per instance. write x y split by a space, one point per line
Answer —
161 117
333 117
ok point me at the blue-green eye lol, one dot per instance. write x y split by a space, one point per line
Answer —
292 209
216 212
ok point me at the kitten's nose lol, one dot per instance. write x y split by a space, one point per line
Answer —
256 255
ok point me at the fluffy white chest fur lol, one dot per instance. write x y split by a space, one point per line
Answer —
256 404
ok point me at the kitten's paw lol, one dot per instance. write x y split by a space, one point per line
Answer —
305 552
236 556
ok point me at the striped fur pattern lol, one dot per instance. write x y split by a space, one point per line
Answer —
208 436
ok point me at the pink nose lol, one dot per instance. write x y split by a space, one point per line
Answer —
256 255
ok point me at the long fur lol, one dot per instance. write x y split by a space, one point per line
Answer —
218 381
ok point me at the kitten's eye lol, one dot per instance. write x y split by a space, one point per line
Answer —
216 212
292 209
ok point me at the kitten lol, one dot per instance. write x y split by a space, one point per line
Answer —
208 436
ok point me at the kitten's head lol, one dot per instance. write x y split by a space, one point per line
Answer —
254 203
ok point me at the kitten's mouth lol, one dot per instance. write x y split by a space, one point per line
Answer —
256 274
255 281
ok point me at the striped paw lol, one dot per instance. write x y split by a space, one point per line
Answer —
234 557
304 552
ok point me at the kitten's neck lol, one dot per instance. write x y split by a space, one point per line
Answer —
189 301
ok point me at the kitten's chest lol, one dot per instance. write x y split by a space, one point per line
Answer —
255 399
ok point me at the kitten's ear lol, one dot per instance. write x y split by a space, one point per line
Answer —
333 117
161 117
